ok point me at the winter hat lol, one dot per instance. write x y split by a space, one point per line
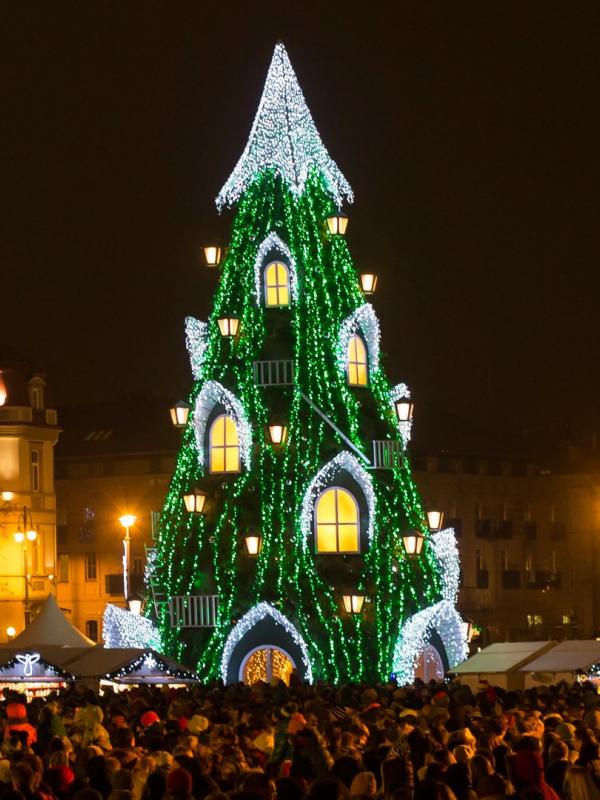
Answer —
149 718
198 724
179 781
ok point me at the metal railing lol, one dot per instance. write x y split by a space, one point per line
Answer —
274 373
387 454
193 611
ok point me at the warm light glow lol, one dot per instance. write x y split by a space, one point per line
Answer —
212 255
194 501
224 445
337 224
228 326
404 409
2 390
11 632
467 630
31 535
253 543
337 522
180 413
413 542
127 520
19 536
435 520
277 284
357 362
277 433
135 606
353 603
8 496
368 282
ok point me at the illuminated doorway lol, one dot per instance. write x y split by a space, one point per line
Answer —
266 662
429 665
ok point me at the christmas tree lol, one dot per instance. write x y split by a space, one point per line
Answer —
293 535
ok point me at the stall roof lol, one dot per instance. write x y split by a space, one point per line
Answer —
571 655
501 657
50 627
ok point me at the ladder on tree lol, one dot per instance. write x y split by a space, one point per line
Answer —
159 598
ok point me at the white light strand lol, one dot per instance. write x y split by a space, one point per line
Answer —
196 340
363 321
415 633
214 393
397 393
284 138
273 244
121 628
248 621
325 478
446 553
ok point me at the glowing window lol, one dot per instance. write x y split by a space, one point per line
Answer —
337 522
277 284
357 362
224 445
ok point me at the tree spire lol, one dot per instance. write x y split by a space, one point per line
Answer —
284 138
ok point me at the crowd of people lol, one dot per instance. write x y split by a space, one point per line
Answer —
273 742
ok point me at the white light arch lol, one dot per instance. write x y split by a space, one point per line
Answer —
364 322
325 478
443 544
274 244
196 340
212 394
414 635
248 621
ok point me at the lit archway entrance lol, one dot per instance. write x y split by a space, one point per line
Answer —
429 665
266 662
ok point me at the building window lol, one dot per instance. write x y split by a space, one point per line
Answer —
357 362
35 470
87 529
36 394
63 568
224 445
277 284
91 567
337 523
533 620
91 629
137 565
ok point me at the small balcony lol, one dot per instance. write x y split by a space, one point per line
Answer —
193 611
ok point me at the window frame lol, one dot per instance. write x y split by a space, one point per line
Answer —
92 622
357 364
35 465
91 567
63 567
224 447
277 286
337 524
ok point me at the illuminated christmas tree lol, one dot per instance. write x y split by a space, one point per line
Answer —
293 535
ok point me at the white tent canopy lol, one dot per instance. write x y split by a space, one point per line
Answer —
499 664
565 661
50 627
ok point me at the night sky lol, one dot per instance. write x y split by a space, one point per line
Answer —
467 131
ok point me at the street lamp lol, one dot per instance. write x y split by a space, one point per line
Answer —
277 432
337 223
413 542
353 603
404 409
180 412
435 520
194 501
228 326
11 632
212 255
127 521
368 282
135 606
25 533
253 542
8 496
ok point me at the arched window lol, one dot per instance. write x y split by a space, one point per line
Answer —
224 445
357 362
277 284
337 524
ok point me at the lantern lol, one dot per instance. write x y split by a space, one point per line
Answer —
8 496
228 326
253 541
194 501
11 632
368 282
413 542
212 255
435 520
19 536
404 409
180 413
135 606
353 603
278 433
31 535
337 223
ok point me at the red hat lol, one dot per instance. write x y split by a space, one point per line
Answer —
179 781
149 718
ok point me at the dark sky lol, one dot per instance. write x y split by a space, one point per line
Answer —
468 132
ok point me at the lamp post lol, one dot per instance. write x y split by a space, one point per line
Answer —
25 533
127 521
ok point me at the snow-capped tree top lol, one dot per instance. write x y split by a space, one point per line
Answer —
284 137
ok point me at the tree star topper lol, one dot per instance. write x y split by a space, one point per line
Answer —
284 138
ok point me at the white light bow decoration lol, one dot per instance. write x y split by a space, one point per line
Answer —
248 621
284 138
415 633
325 478
213 393
399 391
121 628
273 244
196 340
362 321
445 550
28 660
